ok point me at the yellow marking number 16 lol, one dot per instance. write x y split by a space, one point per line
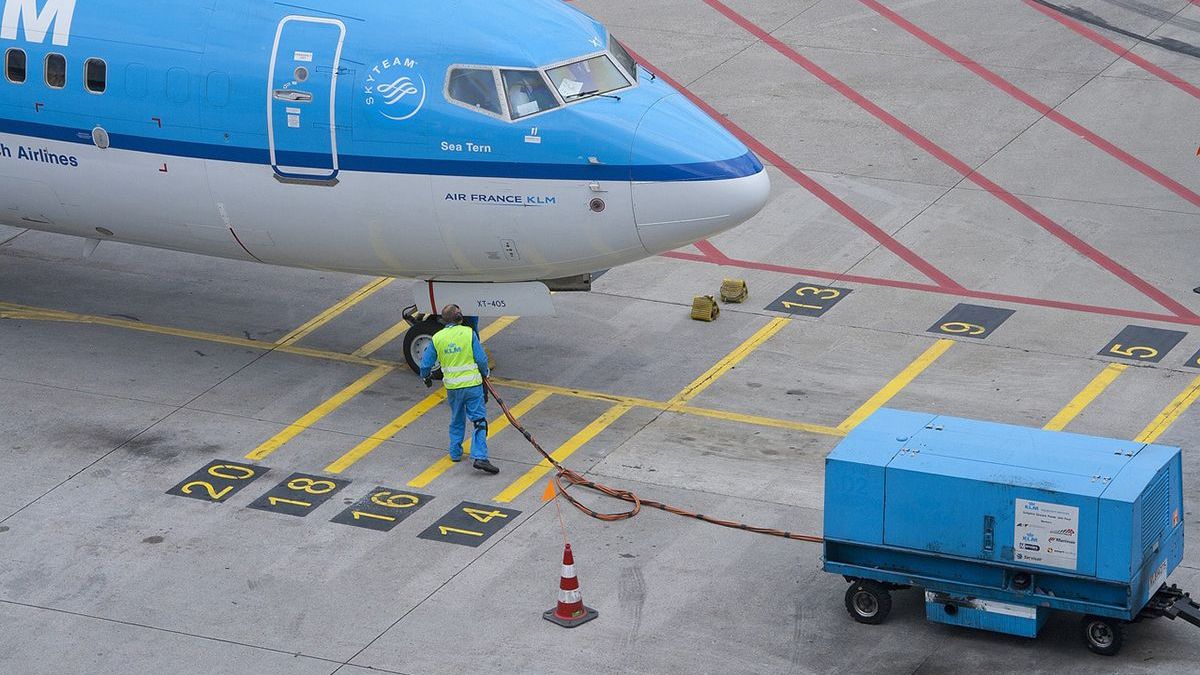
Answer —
817 293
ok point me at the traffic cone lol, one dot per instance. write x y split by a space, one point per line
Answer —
570 611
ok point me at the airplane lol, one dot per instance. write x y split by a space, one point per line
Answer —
493 150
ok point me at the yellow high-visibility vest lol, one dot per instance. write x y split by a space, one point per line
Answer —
454 345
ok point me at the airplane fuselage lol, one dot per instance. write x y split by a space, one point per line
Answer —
360 137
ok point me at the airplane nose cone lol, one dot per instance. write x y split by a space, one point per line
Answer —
691 178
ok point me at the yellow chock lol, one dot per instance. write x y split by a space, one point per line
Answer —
734 290
705 308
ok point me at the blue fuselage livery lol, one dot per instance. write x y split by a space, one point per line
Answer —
451 140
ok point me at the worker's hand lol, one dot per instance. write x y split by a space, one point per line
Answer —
428 382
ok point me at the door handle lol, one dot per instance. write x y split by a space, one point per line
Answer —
293 96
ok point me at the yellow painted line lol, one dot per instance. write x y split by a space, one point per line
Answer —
761 421
13 311
495 327
313 416
676 404
335 311
1084 398
494 427
10 311
563 452
898 383
726 364
580 393
384 434
411 415
1169 414
382 340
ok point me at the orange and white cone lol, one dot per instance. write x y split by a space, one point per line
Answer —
570 611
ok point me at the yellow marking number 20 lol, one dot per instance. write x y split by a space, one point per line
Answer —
817 293
234 472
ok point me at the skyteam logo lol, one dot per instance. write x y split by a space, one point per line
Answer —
396 88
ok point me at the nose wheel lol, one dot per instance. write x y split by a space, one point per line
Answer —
418 338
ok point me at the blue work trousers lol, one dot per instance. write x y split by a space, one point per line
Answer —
466 405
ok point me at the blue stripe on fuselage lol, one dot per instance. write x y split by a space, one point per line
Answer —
737 167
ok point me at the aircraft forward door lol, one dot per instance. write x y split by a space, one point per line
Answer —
302 99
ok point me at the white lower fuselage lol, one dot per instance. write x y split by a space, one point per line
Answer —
405 225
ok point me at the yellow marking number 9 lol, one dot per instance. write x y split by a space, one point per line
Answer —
962 328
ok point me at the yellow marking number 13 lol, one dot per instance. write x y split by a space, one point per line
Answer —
817 293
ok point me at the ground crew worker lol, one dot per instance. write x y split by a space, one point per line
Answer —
464 365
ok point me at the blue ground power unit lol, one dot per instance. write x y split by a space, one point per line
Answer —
1001 524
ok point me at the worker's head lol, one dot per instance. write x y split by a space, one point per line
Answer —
451 315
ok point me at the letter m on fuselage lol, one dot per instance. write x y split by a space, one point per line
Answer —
37 23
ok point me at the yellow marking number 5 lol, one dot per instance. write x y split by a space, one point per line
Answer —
1134 352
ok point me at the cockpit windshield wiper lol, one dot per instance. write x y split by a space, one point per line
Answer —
593 93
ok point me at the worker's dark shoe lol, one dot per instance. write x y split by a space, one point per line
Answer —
455 459
484 465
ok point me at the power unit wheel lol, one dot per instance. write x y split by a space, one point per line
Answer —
416 339
1103 635
868 601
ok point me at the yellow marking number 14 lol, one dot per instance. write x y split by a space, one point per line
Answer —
477 514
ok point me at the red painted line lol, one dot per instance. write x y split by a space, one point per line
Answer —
1028 99
1082 29
808 183
930 288
709 251
955 163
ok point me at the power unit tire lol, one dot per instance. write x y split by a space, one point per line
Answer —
415 340
868 601
1103 635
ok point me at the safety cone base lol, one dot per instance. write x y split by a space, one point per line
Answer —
552 616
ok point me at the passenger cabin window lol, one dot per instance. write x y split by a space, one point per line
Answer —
589 77
622 57
475 88
95 73
56 71
14 65
527 93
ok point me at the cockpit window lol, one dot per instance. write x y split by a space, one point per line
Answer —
527 93
589 77
475 88
622 57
